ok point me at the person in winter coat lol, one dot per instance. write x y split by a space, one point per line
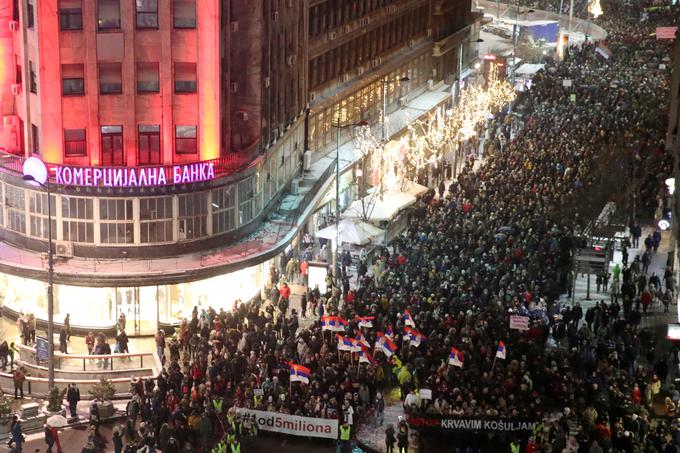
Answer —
390 439
73 396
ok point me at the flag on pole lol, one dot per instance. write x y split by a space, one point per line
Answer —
299 373
385 345
414 337
333 323
365 321
365 357
500 352
362 340
408 320
389 333
348 344
456 358
603 51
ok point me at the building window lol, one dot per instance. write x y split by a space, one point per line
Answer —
112 146
35 138
116 224
72 79
74 143
223 209
110 78
185 140
108 15
185 77
149 145
30 12
147 78
70 15
78 222
16 209
147 13
184 13
37 203
15 10
155 215
246 193
192 215
33 77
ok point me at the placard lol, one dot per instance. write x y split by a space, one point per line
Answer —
519 322
425 394
42 348
292 424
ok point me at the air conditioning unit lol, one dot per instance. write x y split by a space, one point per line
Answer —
346 77
233 26
295 186
234 87
64 249
332 35
307 160
348 29
242 115
14 25
16 89
267 82
10 120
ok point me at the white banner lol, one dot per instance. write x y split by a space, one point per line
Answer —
519 322
292 424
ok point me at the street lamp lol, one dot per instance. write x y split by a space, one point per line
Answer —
338 125
35 173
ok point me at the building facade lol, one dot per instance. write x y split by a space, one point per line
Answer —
172 129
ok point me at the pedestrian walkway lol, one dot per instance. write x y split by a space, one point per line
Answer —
374 436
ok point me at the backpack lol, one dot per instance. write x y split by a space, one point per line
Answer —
48 436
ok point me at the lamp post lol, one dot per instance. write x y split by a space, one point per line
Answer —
454 102
35 173
338 125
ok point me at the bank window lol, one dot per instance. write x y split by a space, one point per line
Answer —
185 77
147 13
37 204
147 78
72 79
108 14
112 145
77 215
30 12
70 15
149 144
184 13
74 143
16 209
110 78
155 216
192 216
245 200
116 224
223 209
33 78
185 140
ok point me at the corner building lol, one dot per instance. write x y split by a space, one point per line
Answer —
172 130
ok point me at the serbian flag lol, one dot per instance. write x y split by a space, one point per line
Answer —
603 51
365 321
348 344
456 358
389 333
500 352
414 337
408 320
333 323
385 345
365 357
362 340
299 373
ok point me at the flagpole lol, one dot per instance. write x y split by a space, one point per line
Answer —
494 362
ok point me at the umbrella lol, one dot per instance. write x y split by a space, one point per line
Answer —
57 421
500 236
505 229
352 231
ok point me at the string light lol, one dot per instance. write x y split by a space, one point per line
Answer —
398 162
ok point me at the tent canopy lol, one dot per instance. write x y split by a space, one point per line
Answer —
352 231
379 208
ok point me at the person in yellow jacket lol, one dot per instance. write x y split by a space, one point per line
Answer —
234 447
515 446
220 447
345 435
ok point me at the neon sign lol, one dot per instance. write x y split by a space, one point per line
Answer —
134 176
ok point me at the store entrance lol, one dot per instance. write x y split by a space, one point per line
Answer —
140 307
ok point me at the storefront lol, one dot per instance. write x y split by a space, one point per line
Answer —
145 307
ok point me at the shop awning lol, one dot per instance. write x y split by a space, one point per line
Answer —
379 208
352 231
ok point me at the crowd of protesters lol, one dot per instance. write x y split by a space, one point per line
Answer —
498 241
